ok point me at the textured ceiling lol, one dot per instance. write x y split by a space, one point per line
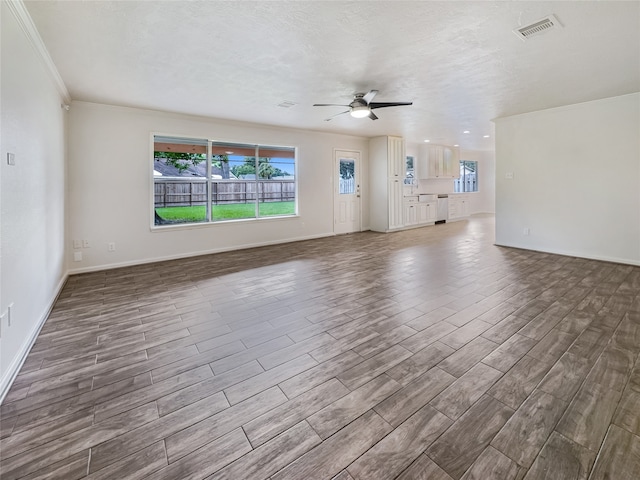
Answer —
459 62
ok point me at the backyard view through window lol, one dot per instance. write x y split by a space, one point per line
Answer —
468 181
199 180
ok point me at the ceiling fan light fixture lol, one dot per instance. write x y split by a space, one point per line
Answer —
362 106
360 111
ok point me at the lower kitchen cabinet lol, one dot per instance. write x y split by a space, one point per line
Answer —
410 214
419 213
427 212
394 200
458 207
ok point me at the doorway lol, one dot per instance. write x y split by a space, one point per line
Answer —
346 200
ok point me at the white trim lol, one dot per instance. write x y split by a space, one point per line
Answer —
571 106
21 14
220 223
165 258
214 120
566 253
18 360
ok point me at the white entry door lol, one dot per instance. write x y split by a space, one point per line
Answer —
346 192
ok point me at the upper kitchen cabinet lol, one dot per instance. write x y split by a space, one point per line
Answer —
386 175
438 161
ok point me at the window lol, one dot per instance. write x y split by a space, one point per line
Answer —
409 171
200 180
468 181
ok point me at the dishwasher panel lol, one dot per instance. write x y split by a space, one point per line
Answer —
443 208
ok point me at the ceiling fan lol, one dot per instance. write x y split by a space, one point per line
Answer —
362 106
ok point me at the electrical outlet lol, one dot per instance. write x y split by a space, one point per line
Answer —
526 231
85 243
111 247
77 256
508 175
77 244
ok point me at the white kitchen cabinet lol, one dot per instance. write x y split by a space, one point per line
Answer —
386 181
410 214
464 207
458 207
427 212
396 159
438 161
394 201
419 213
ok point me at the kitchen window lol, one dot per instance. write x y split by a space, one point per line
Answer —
202 180
410 170
468 181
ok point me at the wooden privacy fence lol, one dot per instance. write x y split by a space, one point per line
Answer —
468 183
347 185
175 192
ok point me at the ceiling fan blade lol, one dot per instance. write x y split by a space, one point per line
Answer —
332 116
373 116
369 96
388 104
329 105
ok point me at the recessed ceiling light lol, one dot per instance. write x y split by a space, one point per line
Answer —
485 136
427 141
466 131
456 145
229 153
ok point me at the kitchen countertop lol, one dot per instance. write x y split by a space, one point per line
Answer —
421 197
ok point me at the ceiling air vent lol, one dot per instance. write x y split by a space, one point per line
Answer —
536 28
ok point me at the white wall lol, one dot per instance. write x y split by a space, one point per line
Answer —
576 180
482 201
32 219
110 191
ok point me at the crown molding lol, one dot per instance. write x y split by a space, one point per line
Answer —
21 14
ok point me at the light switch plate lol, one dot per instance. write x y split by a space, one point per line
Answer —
11 158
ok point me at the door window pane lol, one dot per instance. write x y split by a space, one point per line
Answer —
347 176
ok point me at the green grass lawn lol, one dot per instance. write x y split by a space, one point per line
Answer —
225 212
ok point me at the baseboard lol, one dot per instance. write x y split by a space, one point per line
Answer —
567 253
165 258
16 364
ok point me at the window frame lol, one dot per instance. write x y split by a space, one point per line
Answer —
209 221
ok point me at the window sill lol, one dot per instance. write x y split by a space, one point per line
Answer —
195 226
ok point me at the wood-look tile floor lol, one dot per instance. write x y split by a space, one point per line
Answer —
424 354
